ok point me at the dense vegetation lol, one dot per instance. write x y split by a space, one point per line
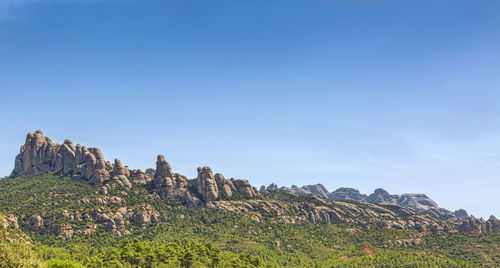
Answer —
207 238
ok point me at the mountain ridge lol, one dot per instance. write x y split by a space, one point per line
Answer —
40 155
416 201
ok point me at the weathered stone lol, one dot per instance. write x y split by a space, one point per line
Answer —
244 188
206 184
120 174
35 223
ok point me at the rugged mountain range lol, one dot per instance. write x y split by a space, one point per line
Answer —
418 202
123 197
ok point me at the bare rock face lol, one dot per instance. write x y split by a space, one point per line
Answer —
139 177
40 154
318 189
34 223
473 225
164 176
207 186
172 185
272 186
347 194
65 157
417 201
36 155
120 174
226 187
461 213
244 188
382 196
150 171
142 219
213 187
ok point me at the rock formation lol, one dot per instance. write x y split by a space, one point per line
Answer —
172 185
318 189
211 187
473 225
207 186
226 187
139 177
272 186
36 155
120 174
417 201
40 154
462 214
344 193
382 196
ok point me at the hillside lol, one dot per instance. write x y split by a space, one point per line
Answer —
75 207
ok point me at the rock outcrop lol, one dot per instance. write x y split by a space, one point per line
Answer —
36 155
382 196
473 225
244 188
212 187
461 213
140 177
34 223
172 185
272 186
40 154
120 174
417 201
342 194
209 190
317 189
207 186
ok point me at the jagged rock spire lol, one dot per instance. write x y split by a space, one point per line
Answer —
40 154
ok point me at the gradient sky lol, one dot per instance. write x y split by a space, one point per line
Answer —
403 95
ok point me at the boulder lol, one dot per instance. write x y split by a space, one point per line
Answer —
35 223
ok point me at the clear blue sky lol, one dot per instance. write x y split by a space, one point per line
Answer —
402 95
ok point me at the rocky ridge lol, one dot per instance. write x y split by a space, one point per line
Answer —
208 190
418 202
40 154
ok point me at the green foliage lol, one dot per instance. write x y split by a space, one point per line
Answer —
208 238
15 253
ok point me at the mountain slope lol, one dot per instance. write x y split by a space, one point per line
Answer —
65 196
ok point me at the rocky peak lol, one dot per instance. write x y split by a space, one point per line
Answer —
318 189
207 186
382 196
417 201
461 213
473 225
272 186
36 155
120 174
347 194
40 154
